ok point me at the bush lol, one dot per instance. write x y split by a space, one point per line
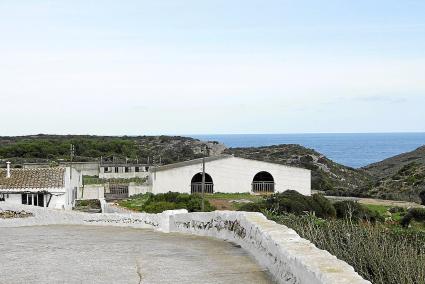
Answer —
354 211
159 207
417 214
326 206
151 203
294 202
397 209
92 203
253 207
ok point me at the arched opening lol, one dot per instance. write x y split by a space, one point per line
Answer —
196 184
263 183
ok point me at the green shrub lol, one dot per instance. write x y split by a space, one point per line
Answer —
158 207
92 203
355 212
253 207
158 203
326 206
397 209
294 202
417 214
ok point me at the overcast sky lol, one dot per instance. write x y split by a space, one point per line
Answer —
211 66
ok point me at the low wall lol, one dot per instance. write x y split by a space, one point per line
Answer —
92 191
288 257
134 189
45 216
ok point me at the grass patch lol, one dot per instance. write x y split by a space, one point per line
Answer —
158 203
234 196
231 201
135 202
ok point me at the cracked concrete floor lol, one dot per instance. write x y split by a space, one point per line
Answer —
88 254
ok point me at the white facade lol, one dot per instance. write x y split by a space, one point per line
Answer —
53 197
123 171
229 175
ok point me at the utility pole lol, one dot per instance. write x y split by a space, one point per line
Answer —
72 158
203 184
205 150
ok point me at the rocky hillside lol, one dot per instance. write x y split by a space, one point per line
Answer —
401 177
47 148
326 174
391 166
405 184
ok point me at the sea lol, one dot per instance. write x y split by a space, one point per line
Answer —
354 150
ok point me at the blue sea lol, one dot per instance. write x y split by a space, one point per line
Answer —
354 150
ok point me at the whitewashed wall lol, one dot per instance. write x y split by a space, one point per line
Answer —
13 198
57 201
232 175
92 191
288 257
134 189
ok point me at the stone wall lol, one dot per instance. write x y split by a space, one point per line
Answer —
288 257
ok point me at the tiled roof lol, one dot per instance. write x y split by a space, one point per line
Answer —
21 179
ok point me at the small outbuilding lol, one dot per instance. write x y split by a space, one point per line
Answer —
43 187
229 174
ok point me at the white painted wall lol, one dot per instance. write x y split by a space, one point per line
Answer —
57 201
134 189
72 182
97 191
86 168
13 198
232 175
288 257
92 191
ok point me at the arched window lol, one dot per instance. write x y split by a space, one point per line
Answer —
263 182
196 184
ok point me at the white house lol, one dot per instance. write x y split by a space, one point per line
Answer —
229 174
44 187
123 171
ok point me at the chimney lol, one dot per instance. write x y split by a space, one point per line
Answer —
8 170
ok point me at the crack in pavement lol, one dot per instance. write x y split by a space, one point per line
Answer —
139 272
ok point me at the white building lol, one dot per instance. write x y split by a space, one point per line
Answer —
123 171
44 187
229 174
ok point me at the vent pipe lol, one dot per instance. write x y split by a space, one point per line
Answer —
8 170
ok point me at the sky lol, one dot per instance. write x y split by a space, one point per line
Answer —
211 66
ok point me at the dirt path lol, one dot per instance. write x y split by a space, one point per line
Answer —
372 201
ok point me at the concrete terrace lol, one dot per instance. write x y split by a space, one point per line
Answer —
92 254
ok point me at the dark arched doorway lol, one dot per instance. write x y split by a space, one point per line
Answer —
196 184
263 182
